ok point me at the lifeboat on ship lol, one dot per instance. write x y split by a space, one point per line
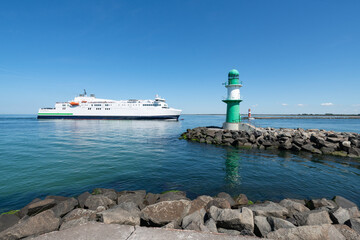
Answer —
74 103
83 101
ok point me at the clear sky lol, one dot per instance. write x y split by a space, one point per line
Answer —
293 56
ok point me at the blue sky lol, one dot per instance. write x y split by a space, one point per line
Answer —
293 56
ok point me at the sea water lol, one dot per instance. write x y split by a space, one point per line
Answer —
68 157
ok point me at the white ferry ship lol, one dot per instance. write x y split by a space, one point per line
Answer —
90 107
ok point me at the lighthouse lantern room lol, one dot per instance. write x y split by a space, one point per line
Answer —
233 101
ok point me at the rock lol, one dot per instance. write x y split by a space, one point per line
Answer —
73 223
343 202
354 223
227 197
241 200
40 223
173 225
315 217
80 213
346 144
269 209
347 232
172 195
229 231
151 198
354 152
82 198
23 212
120 216
94 201
211 225
65 206
199 203
8 220
238 219
334 139
262 226
308 147
293 207
321 232
277 223
218 202
318 203
194 221
130 207
347 204
110 193
160 214
137 197
339 215
57 199
40 206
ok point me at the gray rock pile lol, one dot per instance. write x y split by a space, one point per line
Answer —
311 140
289 219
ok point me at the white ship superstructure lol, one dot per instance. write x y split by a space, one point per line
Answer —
90 107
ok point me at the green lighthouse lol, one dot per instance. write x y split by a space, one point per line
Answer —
233 101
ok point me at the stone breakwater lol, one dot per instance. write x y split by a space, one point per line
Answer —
311 140
217 217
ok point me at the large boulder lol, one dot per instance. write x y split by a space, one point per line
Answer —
347 204
110 193
199 203
320 203
227 197
347 232
95 201
339 215
320 232
195 221
269 209
137 197
277 223
65 206
82 198
41 223
211 225
293 206
23 212
120 216
238 219
241 200
161 213
172 196
262 226
315 217
80 213
151 198
58 199
218 202
8 220
354 223
73 223
40 206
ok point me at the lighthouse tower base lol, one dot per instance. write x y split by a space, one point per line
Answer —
231 126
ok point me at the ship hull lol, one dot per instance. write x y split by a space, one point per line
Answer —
162 117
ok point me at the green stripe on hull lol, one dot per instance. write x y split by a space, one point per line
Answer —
58 114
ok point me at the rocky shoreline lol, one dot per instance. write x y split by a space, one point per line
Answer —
316 141
220 217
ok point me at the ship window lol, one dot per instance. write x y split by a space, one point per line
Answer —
63 108
89 108
98 108
107 108
98 105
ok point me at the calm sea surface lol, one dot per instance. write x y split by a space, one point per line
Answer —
68 157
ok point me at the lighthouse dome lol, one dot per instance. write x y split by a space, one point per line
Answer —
233 74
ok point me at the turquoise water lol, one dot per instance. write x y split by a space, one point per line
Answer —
68 157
